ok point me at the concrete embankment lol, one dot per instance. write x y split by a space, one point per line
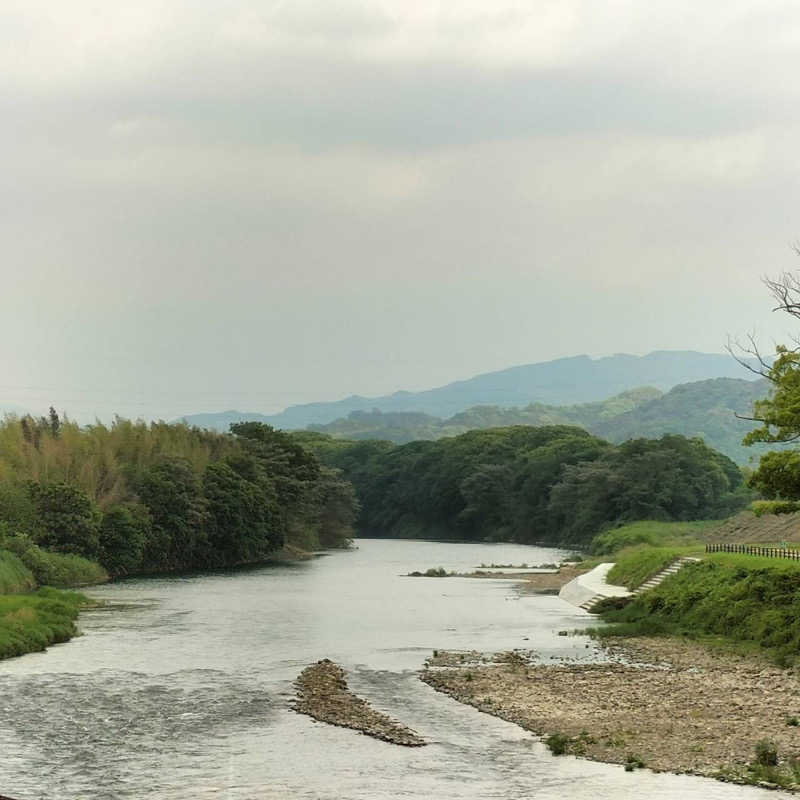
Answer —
591 586
322 694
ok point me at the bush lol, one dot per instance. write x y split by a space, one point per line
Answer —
763 508
55 569
14 575
557 743
436 572
766 753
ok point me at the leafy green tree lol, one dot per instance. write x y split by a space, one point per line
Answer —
338 509
243 516
124 533
778 475
66 519
172 492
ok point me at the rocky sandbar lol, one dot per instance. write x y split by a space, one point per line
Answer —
322 693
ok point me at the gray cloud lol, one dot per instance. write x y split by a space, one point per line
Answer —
206 205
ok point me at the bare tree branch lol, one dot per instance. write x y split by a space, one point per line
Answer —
745 353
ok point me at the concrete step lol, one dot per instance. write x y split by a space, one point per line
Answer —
673 568
591 602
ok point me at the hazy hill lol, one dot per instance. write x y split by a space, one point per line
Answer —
565 381
401 427
703 408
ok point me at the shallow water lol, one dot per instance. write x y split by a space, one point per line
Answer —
180 688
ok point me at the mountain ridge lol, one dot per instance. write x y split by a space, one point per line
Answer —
564 381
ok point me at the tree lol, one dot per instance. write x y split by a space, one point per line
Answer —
171 491
778 475
124 532
242 516
779 413
66 519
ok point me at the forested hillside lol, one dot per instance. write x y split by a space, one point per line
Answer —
402 427
527 484
160 497
564 381
704 408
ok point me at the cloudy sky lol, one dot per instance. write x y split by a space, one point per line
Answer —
210 205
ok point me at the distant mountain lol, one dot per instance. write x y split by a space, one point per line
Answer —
565 381
704 408
401 427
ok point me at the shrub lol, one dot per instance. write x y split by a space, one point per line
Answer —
762 508
14 575
55 569
557 743
766 753
436 572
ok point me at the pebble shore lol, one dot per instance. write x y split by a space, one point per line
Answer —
669 704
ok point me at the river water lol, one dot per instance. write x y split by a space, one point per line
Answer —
180 687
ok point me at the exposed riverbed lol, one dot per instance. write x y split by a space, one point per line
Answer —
181 688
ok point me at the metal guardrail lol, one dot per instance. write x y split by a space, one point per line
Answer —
752 550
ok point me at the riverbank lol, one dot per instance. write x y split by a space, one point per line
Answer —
34 621
668 704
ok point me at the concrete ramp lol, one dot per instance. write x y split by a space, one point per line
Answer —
588 589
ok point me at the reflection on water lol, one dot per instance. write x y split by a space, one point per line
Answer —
181 688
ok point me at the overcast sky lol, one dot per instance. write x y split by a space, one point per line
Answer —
209 205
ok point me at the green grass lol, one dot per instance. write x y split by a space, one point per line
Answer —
14 575
652 533
744 601
636 564
31 622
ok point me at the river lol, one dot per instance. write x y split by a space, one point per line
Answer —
180 687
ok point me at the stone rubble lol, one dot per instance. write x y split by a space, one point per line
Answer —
674 705
322 694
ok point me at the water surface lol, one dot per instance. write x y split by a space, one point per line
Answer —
179 688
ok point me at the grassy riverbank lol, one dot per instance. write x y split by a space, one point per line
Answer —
745 601
31 622
34 618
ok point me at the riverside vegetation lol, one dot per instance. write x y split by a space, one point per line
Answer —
556 484
81 504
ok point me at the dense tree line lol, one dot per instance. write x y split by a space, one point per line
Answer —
707 408
164 497
555 483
